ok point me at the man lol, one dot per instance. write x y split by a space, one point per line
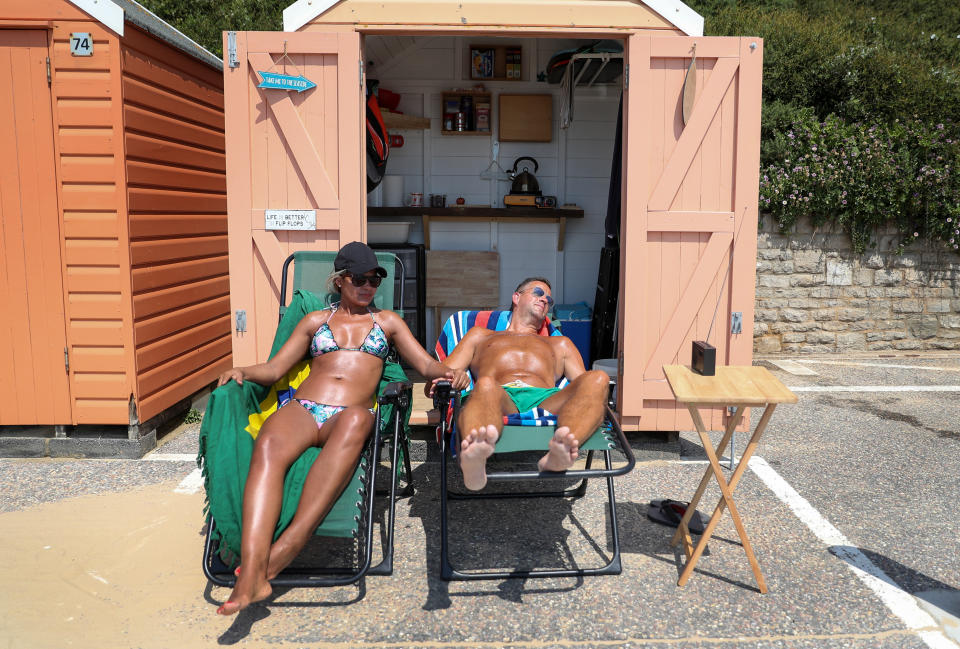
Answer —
515 370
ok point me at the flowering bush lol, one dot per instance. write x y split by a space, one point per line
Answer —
861 176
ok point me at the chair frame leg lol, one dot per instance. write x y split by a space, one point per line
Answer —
449 573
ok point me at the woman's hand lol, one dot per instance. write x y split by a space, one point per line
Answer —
460 380
236 374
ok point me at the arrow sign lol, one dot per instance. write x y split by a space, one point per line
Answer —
276 81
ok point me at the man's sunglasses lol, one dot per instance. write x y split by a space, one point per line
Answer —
539 292
361 280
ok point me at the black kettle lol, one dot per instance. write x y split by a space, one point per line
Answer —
524 182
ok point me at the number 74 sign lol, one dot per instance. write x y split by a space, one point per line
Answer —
81 44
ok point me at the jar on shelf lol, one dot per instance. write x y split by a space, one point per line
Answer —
466 107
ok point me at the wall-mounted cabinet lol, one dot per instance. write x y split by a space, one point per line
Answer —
496 62
466 112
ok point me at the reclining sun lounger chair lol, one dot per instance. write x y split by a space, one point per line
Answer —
233 418
525 431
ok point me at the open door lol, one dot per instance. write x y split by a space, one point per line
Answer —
299 152
689 222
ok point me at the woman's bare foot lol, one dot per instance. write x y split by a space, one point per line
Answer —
245 594
282 554
474 451
563 452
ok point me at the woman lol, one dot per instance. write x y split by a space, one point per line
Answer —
348 343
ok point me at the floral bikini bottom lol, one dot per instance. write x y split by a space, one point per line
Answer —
320 412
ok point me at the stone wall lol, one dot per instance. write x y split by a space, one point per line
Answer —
815 295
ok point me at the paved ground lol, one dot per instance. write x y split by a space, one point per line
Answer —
850 505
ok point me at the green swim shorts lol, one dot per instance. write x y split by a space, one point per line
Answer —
526 398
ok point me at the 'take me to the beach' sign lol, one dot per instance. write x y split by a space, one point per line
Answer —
275 81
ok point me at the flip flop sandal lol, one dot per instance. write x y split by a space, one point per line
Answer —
669 512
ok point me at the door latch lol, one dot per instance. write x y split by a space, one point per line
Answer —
241 321
232 59
736 322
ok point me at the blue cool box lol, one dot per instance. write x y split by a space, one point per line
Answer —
575 322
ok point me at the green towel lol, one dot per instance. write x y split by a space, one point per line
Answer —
233 417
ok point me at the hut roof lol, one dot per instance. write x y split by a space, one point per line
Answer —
113 14
673 12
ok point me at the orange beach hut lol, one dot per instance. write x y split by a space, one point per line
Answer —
690 161
113 250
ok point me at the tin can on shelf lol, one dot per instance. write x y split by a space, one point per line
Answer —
483 117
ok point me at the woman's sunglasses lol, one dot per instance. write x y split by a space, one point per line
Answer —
539 292
361 280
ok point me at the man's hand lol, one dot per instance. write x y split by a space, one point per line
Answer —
236 374
459 380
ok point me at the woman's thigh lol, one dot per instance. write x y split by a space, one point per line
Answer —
287 433
353 422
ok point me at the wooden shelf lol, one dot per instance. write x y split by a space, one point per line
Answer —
399 121
464 132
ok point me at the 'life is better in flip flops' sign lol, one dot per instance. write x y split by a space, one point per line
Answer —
274 81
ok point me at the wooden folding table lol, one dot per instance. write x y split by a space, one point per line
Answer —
731 387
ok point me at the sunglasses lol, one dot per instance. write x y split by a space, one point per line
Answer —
361 280
539 292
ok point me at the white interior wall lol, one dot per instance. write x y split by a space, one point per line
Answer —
574 166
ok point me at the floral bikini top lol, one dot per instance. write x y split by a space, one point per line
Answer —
375 342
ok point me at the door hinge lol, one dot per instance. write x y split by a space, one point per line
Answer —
361 74
736 322
232 59
626 76
49 78
66 359
241 321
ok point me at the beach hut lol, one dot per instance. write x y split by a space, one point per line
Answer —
690 160
113 210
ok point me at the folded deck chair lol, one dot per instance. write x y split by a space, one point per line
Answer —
232 420
524 431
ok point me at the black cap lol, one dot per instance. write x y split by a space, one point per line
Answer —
357 258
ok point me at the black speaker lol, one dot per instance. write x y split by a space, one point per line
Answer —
704 358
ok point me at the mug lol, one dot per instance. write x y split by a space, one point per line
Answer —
438 200
415 199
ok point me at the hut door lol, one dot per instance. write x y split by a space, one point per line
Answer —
690 212
294 160
33 373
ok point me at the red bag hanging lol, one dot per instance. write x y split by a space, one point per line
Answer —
378 140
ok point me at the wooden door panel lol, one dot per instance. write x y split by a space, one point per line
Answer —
289 150
690 200
34 379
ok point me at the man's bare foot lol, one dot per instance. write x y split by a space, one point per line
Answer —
563 452
244 595
474 451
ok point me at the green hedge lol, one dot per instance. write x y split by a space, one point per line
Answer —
844 79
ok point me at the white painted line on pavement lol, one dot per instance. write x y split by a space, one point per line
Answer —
928 368
900 603
794 368
171 457
191 484
875 388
